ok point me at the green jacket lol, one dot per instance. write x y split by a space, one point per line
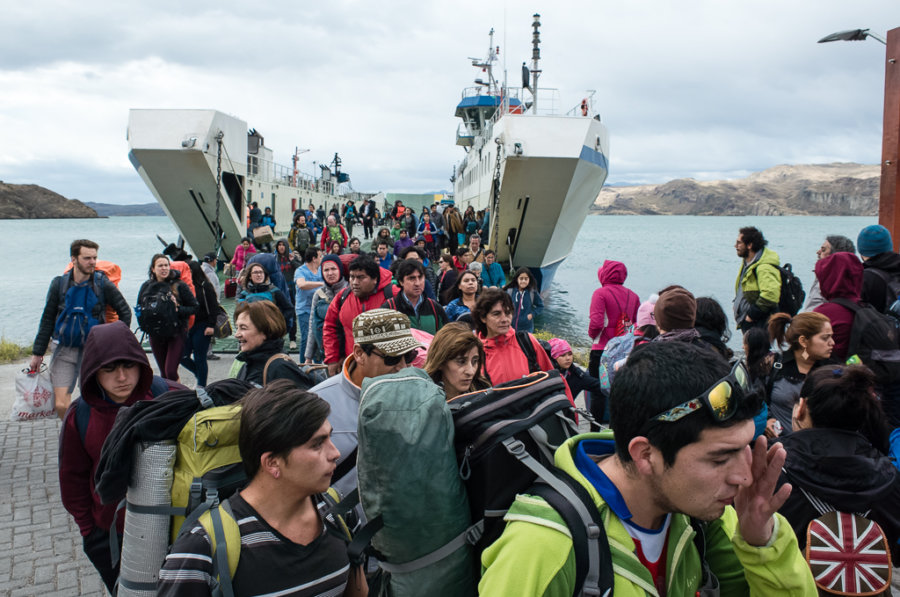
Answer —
534 556
760 286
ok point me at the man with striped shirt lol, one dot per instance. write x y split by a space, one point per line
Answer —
286 449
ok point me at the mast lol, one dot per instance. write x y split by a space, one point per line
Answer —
535 57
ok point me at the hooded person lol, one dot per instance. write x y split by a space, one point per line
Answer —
611 305
115 373
840 275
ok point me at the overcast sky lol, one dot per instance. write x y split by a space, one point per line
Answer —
706 89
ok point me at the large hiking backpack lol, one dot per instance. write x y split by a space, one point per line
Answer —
406 454
77 317
158 311
892 292
792 294
495 429
186 275
875 339
614 356
847 553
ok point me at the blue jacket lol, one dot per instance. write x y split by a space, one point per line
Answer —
492 275
525 303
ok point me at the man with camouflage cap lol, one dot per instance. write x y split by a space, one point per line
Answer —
383 343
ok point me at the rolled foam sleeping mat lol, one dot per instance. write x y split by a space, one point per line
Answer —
146 537
408 475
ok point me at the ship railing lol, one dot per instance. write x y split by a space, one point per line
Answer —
548 102
269 171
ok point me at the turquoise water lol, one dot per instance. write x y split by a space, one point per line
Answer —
696 252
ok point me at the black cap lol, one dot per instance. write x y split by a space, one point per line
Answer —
210 257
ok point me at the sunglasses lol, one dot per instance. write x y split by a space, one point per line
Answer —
719 398
390 361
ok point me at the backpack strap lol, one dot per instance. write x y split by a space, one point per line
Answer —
82 417
527 346
593 575
709 584
581 540
346 465
274 357
223 530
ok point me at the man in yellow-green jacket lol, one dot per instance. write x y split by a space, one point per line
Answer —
758 285
682 450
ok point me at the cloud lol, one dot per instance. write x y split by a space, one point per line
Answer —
698 88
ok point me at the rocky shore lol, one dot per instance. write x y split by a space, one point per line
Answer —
30 201
840 189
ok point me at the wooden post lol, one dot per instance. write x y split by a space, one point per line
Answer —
888 208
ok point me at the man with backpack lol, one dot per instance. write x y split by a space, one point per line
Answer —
286 546
115 374
76 301
383 344
758 286
881 267
660 495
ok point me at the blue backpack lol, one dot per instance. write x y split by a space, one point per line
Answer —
77 316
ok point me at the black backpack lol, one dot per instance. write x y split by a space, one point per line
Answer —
792 294
892 292
875 339
524 340
495 429
158 311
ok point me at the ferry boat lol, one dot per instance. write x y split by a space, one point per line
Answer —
186 156
535 169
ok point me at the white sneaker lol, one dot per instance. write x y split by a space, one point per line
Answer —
293 345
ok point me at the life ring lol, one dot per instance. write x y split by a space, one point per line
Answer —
584 107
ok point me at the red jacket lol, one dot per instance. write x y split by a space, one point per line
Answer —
326 238
505 361
78 460
840 275
341 324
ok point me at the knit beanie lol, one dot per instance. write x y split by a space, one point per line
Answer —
645 314
559 347
873 240
676 309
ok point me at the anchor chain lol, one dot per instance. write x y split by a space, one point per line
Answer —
219 138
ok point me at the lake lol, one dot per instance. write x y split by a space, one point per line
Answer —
694 251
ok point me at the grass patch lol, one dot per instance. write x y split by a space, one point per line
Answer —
10 351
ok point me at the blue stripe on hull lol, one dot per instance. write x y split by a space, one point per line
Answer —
593 156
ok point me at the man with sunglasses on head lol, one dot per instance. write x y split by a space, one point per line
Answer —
382 344
681 463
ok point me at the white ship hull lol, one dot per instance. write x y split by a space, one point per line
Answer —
551 170
176 154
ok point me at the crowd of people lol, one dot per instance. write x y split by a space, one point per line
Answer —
749 446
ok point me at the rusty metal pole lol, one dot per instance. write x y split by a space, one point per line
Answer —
888 208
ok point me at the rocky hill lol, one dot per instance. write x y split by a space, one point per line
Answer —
30 201
107 210
838 189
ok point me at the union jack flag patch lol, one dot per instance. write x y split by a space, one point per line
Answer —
848 555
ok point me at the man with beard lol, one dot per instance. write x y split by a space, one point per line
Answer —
758 285
76 301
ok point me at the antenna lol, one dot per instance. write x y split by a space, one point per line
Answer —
535 57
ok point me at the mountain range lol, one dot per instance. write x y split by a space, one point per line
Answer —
838 189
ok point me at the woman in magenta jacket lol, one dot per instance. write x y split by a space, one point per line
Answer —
613 308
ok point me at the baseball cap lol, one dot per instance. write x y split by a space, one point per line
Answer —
386 329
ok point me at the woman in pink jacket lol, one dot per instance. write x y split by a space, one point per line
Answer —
613 310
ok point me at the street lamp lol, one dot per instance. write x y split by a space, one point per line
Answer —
851 35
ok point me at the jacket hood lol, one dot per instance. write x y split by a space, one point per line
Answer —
499 341
385 280
840 276
107 343
612 272
840 467
336 259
